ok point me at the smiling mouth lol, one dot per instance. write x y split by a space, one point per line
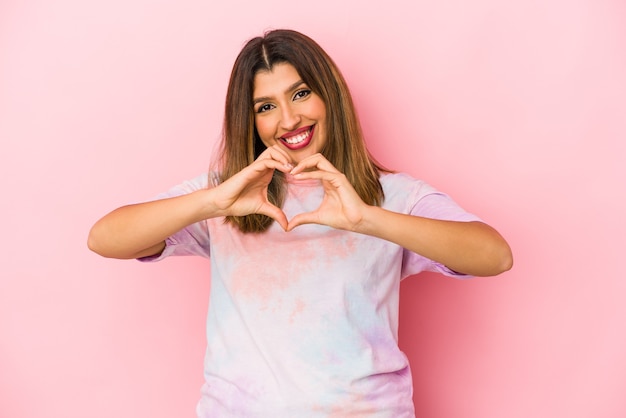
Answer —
299 138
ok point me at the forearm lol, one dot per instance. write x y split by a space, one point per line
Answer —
465 247
140 230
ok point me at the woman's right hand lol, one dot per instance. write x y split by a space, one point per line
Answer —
140 230
245 193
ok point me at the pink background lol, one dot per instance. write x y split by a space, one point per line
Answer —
517 109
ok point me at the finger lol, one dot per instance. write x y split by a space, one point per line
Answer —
333 183
274 153
258 173
314 161
277 154
335 178
275 149
276 214
264 164
302 219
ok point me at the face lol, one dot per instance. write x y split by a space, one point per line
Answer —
288 113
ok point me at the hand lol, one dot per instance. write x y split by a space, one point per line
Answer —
341 207
246 192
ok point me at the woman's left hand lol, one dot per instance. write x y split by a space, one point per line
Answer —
341 207
472 248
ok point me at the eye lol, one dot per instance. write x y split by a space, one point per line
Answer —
264 108
301 94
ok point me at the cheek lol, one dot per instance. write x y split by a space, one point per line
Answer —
263 130
320 111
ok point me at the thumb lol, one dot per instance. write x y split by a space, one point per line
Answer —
301 219
276 214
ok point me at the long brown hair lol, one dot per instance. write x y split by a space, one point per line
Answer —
241 145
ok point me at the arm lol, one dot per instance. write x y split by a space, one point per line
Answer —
472 248
140 230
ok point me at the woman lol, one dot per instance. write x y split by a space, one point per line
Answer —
308 239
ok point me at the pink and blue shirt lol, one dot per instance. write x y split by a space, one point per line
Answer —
305 323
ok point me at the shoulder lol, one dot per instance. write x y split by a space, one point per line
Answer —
405 185
405 194
188 186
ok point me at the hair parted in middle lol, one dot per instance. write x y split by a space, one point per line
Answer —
241 145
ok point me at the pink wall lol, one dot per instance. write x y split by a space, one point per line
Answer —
515 108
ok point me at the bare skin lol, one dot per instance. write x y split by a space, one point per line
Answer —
140 230
467 247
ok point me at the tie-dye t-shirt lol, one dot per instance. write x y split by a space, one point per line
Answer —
304 323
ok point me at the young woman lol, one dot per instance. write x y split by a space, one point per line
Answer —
308 239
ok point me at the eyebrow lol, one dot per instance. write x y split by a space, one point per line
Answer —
289 89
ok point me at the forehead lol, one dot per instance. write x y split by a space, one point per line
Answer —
276 81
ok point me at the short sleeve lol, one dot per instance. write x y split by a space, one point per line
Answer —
191 240
430 203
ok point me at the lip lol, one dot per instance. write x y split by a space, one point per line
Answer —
302 144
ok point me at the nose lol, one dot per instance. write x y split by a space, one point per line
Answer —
289 118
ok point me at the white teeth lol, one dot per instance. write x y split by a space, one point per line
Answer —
296 139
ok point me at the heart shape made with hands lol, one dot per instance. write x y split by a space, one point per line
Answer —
341 206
